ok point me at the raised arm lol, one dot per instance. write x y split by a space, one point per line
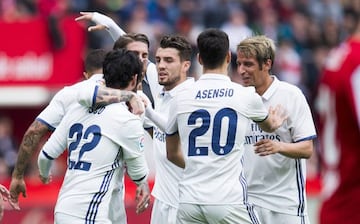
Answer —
102 23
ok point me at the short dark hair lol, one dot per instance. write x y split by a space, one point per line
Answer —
179 43
94 60
213 46
119 68
125 39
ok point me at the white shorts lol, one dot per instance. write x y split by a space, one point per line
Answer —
163 213
268 216
61 218
215 214
116 213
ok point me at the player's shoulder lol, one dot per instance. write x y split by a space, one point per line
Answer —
239 89
288 88
120 112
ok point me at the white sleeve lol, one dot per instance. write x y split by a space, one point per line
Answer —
132 144
137 169
256 109
52 149
87 96
155 117
57 143
300 120
114 30
44 163
55 111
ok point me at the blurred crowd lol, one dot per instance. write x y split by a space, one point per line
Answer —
304 30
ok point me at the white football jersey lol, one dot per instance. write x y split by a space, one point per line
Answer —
63 100
167 174
98 142
211 117
277 182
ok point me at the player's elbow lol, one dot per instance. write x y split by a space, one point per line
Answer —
308 152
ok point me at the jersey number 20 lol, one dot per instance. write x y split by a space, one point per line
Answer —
217 124
77 129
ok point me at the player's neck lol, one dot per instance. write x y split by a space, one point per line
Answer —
220 70
265 86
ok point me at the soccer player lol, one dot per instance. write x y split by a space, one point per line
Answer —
51 116
209 120
274 163
138 43
99 145
173 60
338 104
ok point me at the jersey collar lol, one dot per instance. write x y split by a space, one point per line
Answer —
177 88
214 76
272 88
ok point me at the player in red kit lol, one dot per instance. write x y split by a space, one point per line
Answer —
338 105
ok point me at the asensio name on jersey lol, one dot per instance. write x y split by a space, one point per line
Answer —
214 93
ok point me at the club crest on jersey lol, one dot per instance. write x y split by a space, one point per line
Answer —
142 143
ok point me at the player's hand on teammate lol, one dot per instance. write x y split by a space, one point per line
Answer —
278 114
142 197
136 105
146 101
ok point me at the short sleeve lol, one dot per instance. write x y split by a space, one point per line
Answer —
55 111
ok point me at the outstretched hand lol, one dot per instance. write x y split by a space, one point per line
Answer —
88 16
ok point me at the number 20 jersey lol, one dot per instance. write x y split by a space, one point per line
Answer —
211 117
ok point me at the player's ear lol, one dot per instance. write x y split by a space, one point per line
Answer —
86 75
228 57
134 82
199 59
186 65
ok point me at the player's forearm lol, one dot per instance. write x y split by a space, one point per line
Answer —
156 118
28 147
303 149
107 95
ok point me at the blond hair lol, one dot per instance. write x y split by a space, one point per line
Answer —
260 47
